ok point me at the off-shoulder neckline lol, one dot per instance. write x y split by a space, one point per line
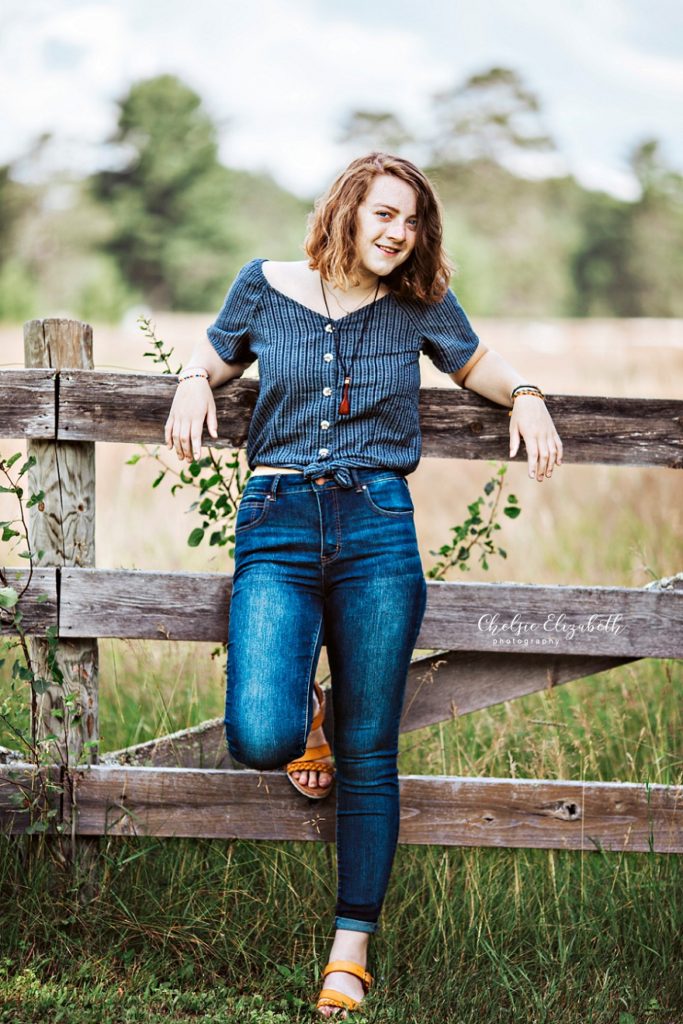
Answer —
302 305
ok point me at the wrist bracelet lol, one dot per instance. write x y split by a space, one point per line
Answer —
526 387
187 376
537 393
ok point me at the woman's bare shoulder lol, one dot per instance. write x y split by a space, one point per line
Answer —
281 273
292 277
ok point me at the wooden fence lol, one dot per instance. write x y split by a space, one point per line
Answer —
184 784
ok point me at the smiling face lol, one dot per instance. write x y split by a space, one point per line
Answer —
386 226
380 218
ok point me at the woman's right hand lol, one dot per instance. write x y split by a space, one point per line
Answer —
192 404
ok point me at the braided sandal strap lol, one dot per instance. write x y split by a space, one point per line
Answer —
311 766
330 997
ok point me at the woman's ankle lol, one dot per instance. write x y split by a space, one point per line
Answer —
349 944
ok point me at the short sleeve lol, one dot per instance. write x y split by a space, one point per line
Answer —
230 332
447 335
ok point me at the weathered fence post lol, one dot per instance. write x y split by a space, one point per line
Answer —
63 526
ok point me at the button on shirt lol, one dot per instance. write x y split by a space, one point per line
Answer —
301 381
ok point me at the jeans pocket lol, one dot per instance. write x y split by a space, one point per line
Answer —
252 511
389 496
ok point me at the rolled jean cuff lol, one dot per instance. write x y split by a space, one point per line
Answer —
349 924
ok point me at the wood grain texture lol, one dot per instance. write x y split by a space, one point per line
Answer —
489 617
201 746
63 526
145 604
594 429
58 343
455 423
455 683
38 614
511 617
442 810
97 406
27 403
63 523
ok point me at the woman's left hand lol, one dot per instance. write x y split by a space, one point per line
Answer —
532 422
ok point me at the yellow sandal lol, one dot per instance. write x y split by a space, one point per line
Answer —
330 996
310 760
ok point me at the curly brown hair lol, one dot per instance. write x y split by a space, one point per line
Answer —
331 240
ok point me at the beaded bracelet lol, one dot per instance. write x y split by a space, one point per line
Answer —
187 376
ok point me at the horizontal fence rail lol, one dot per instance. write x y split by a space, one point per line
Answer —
39 603
28 404
444 810
488 617
91 405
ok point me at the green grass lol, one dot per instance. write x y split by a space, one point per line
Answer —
231 931
198 930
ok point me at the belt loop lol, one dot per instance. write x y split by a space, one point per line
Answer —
356 480
273 487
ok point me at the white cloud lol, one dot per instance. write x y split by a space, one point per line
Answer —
43 91
288 73
594 174
281 74
604 73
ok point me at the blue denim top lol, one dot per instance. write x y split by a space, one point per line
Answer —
295 422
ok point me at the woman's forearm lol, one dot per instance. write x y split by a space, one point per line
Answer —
204 354
493 378
530 420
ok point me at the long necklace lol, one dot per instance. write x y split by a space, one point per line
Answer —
345 404
343 308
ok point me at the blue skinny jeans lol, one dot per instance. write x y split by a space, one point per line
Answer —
320 562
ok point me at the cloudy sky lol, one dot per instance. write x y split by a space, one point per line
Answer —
279 75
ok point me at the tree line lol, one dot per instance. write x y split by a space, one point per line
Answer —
167 225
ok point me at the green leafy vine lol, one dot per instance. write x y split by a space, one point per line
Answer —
40 799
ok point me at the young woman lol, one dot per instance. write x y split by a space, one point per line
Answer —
325 544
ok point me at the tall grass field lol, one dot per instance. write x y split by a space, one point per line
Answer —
209 931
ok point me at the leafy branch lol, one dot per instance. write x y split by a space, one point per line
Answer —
158 355
477 532
219 479
37 802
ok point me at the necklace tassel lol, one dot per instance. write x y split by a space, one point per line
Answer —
345 404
